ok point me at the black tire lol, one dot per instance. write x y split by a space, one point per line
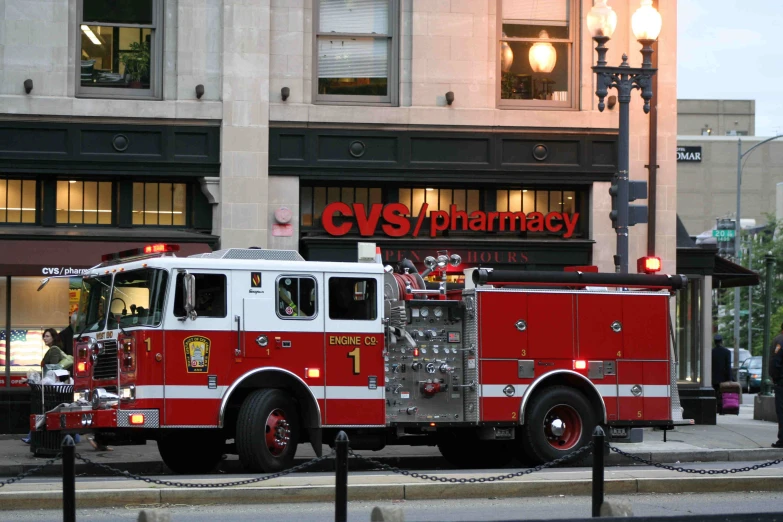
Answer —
191 453
266 418
465 450
552 404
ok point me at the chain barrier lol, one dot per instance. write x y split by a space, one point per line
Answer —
30 471
691 470
585 449
159 482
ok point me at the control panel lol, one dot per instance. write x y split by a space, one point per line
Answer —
425 369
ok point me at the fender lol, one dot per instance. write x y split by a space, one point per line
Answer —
227 395
534 384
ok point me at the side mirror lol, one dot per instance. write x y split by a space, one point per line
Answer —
189 297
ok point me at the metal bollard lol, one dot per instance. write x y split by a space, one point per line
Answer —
341 478
69 479
598 470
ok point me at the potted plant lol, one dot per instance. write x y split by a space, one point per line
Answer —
137 63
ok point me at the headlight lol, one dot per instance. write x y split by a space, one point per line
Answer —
128 393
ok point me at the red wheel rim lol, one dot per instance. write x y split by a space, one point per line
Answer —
278 432
562 427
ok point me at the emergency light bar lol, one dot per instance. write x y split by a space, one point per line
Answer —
159 248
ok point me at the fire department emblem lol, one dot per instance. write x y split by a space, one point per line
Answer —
255 279
197 354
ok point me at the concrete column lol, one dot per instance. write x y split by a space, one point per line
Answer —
706 321
245 130
779 201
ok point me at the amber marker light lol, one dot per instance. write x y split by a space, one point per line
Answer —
580 365
312 373
137 418
81 367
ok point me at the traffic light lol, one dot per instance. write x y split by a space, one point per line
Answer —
648 265
636 213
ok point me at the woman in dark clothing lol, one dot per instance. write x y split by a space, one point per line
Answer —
55 354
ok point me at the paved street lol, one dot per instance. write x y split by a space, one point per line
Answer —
486 510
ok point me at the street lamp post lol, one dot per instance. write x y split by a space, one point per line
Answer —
737 229
646 25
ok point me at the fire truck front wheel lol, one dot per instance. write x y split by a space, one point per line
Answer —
559 421
268 431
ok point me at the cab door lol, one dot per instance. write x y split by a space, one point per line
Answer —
197 353
354 346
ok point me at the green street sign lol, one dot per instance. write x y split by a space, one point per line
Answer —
723 234
743 312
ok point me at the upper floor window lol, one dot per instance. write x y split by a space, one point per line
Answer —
159 204
537 60
121 48
17 201
356 57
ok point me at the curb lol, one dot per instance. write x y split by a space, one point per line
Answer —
88 499
432 463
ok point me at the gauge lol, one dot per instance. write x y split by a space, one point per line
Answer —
438 311
424 312
434 350
446 350
423 350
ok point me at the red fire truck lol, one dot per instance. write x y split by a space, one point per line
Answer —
255 351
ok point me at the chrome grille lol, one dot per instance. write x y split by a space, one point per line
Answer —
105 366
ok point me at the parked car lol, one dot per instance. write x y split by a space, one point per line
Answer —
743 356
750 374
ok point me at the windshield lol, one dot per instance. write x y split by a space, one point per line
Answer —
138 298
92 304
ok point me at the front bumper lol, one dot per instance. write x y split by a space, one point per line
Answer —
83 418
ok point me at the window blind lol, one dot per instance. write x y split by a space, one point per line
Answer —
554 12
352 58
354 16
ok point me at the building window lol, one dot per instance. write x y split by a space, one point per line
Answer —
315 199
689 332
352 298
438 199
159 204
355 49
296 297
537 60
84 202
17 201
543 201
121 48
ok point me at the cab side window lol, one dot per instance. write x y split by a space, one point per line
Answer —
353 298
296 297
210 295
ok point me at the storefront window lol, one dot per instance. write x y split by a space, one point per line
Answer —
536 52
438 199
315 199
689 332
34 311
529 200
159 204
17 201
84 202
3 332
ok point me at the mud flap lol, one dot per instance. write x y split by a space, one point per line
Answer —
316 439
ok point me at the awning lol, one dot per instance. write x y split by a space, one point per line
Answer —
21 257
731 275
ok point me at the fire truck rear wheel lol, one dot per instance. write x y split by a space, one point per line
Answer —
267 431
559 421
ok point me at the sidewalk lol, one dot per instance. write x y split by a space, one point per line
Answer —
734 439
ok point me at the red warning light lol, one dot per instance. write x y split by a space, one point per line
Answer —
160 248
648 265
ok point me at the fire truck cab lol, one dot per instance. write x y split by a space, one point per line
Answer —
255 351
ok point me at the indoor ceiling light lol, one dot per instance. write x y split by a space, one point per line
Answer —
72 181
543 56
88 32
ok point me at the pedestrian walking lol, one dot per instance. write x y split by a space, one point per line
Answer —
721 368
66 336
776 373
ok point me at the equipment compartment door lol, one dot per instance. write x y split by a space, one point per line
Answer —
630 390
550 327
354 347
503 328
646 326
600 326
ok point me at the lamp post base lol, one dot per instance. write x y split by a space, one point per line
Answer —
764 408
